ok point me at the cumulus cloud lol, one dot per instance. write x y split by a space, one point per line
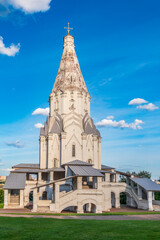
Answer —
9 51
7 169
39 125
149 107
120 124
30 6
110 117
15 144
41 111
137 101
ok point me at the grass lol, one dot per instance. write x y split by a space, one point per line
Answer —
1 205
57 229
86 214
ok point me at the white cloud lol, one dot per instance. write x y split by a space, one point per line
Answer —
121 124
16 144
137 101
9 51
149 107
6 170
38 125
41 111
110 117
30 6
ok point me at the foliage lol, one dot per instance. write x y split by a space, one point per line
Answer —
1 195
157 195
1 205
144 174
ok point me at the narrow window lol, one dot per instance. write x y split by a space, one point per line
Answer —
55 163
90 161
73 150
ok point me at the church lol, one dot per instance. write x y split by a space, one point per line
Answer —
70 175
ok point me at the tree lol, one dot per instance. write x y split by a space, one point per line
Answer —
1 195
143 174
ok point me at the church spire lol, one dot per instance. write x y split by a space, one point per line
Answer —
69 74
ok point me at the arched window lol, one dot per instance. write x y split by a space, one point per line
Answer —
73 150
44 195
90 161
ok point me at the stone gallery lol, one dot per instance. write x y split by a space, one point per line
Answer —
69 175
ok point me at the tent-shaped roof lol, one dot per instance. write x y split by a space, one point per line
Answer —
147 184
86 171
78 163
15 181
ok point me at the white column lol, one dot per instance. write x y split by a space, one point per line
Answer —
139 191
116 177
6 198
56 192
84 152
95 152
43 154
107 177
62 151
117 200
79 183
50 151
39 176
21 198
99 183
35 199
51 176
149 196
79 208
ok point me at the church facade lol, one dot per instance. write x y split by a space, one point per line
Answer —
69 175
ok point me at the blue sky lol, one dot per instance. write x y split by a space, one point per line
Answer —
117 44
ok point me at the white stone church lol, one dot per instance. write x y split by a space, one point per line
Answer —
69 175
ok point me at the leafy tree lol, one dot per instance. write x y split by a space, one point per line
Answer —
143 174
1 195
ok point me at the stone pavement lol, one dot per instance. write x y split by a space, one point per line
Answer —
110 217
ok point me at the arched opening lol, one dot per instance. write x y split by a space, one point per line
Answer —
126 200
44 195
123 199
30 204
113 200
69 209
31 197
89 208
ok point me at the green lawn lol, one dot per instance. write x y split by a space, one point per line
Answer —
39 228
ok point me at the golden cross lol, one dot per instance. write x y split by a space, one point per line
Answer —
68 28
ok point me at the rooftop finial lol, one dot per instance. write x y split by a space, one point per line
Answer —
68 28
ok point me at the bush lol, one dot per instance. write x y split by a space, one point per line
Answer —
1 195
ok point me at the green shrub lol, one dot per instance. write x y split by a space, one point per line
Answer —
1 195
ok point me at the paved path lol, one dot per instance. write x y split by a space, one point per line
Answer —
115 217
